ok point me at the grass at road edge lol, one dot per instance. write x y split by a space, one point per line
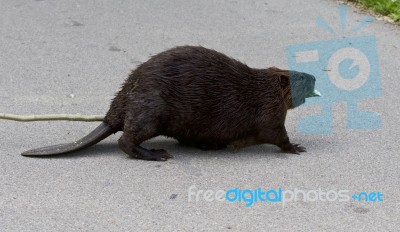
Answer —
390 8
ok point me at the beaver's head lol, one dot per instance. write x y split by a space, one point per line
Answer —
296 87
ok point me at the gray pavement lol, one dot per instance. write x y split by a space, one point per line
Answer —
72 56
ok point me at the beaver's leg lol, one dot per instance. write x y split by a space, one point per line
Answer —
282 141
136 132
277 136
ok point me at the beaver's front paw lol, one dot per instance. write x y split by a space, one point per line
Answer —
293 148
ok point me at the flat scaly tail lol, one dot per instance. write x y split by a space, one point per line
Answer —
97 135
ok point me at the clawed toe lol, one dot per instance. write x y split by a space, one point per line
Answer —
299 148
159 155
294 148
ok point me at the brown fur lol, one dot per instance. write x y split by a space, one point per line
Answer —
202 98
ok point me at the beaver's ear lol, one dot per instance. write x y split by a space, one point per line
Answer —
284 80
273 68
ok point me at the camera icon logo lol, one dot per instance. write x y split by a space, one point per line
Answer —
346 69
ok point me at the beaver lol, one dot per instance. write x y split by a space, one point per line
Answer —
201 98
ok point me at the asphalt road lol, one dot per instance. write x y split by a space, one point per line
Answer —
72 56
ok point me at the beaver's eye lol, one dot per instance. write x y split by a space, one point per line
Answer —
284 80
